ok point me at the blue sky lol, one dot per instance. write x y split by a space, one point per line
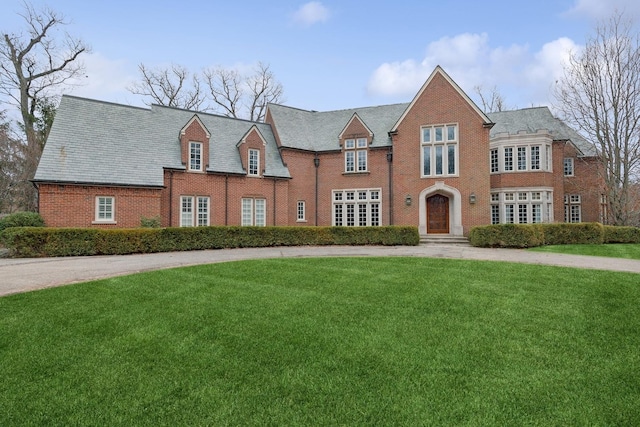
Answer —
334 54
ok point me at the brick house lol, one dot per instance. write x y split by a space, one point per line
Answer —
437 162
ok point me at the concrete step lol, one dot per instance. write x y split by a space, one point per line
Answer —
443 239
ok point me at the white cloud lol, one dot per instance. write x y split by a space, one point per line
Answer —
603 9
523 78
106 79
311 13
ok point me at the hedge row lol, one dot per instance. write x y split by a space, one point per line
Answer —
530 235
54 242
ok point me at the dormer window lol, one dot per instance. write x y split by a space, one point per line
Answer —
195 156
254 162
355 155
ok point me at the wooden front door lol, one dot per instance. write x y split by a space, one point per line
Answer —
438 214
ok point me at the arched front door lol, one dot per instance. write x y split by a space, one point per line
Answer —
438 214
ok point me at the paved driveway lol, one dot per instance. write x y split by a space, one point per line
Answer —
21 275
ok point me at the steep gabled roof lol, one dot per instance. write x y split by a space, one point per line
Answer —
531 120
439 71
103 143
320 131
355 117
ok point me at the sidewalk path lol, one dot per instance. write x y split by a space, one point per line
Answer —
21 275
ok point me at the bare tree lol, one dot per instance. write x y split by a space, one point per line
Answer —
243 96
226 90
491 101
169 86
11 158
33 66
599 94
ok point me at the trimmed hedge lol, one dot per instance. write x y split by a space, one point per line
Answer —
21 219
530 235
506 236
615 234
54 242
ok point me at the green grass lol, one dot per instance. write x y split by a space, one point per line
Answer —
343 341
618 250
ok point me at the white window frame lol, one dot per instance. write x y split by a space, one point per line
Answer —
253 160
195 211
568 166
195 156
355 155
357 207
253 212
572 208
437 142
105 212
521 206
301 211
515 158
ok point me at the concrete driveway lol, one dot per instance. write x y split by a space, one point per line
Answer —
21 275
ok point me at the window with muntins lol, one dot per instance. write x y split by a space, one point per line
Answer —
355 155
439 150
254 212
521 207
195 156
300 210
105 209
357 208
568 166
572 208
520 158
254 162
194 211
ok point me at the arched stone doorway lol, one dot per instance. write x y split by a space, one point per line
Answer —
440 210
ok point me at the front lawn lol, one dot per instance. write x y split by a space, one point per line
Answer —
331 341
618 250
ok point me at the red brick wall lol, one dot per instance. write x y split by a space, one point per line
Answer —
74 206
225 194
438 104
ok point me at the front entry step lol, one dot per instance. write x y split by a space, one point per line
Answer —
426 239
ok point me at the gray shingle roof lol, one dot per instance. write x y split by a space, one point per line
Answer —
319 131
104 143
532 120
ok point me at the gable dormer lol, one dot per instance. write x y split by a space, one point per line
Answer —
355 139
252 147
194 145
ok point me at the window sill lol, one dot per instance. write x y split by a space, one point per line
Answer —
356 173
301 220
104 222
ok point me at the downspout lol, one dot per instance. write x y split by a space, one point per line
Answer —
274 201
390 163
226 200
316 163
170 198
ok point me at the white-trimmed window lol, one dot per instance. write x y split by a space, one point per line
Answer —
355 155
254 162
568 166
254 212
357 208
495 162
439 154
572 208
508 159
194 211
300 211
195 156
521 158
105 209
521 206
